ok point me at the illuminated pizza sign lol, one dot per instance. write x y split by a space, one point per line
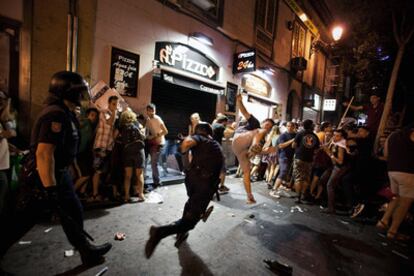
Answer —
186 58
244 62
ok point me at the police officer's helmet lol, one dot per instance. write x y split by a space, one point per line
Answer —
203 129
69 86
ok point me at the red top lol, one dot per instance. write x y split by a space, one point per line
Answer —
374 117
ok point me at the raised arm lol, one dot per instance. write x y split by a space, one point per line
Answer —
187 144
353 107
242 108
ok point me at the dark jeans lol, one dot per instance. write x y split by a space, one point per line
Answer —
350 193
200 191
333 182
4 186
69 210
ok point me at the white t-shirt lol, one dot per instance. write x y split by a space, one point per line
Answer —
4 152
153 127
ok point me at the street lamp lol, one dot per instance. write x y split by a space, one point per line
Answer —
336 35
337 32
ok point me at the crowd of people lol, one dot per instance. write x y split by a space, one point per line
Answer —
115 147
334 167
105 151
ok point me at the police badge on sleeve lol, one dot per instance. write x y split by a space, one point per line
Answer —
56 127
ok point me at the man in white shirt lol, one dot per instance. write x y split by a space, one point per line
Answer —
7 130
155 137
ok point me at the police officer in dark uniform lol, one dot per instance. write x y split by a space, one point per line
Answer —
201 181
54 143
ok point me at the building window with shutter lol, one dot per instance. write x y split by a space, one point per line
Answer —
265 25
298 40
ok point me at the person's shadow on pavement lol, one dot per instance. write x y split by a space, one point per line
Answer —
190 262
77 270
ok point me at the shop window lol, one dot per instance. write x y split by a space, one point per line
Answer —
298 40
311 46
265 25
209 11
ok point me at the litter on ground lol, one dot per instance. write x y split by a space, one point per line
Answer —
69 253
154 197
25 242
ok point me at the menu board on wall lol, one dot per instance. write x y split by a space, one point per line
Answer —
124 72
231 93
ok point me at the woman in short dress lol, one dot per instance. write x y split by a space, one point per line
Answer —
133 153
271 158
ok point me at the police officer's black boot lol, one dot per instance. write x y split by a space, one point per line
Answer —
153 241
157 233
93 254
181 237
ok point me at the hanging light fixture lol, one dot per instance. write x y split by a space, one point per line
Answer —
202 38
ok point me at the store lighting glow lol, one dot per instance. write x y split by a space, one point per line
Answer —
303 17
268 70
202 38
337 33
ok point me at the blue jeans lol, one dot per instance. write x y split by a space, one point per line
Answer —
155 154
170 148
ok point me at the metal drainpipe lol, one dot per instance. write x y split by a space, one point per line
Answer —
69 44
75 44
72 38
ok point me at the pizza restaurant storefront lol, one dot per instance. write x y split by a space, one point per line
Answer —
185 81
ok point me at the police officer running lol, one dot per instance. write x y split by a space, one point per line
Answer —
54 141
201 181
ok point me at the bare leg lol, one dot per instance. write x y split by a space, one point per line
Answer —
298 186
390 210
115 191
403 205
305 187
222 178
269 172
275 171
272 172
80 182
95 183
248 187
314 185
319 191
277 184
127 182
140 183
254 170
